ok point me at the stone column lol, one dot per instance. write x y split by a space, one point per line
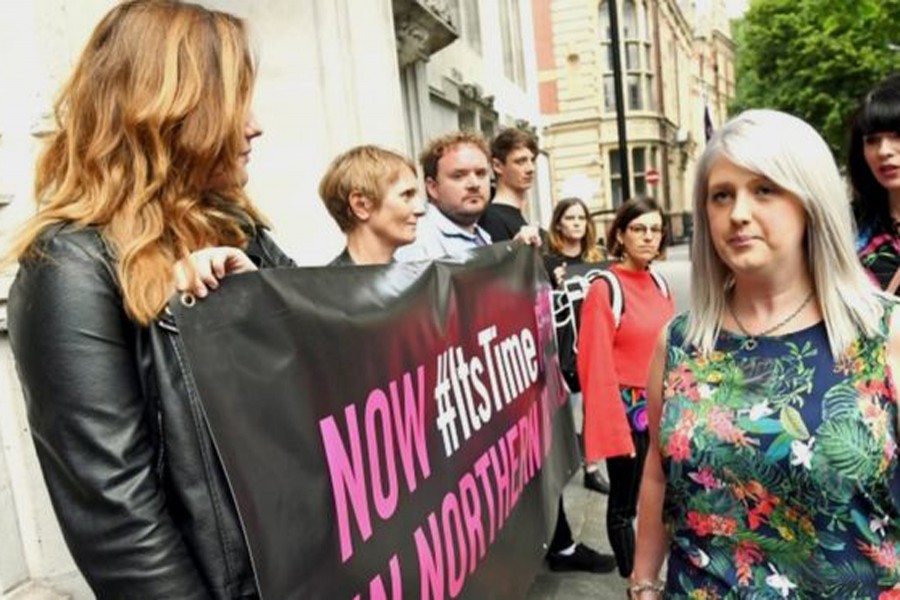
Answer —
39 40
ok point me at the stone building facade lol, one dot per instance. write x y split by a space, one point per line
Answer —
677 60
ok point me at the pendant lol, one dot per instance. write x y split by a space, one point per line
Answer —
749 344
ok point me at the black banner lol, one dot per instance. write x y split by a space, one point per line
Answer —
391 431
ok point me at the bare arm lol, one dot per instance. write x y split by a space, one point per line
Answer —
893 353
652 538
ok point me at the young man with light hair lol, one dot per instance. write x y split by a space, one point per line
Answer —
513 154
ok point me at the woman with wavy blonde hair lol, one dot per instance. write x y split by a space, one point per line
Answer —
140 194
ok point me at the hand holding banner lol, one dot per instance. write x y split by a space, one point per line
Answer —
389 431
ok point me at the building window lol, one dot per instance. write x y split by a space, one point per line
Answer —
511 37
642 159
639 171
629 19
609 93
476 111
615 178
645 11
488 127
635 93
632 56
467 120
471 24
635 52
605 32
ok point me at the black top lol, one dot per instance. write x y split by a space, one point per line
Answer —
502 221
551 261
343 260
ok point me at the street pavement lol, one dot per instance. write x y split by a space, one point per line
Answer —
587 509
677 271
587 516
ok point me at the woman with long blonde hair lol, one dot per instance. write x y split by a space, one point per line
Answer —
773 468
140 194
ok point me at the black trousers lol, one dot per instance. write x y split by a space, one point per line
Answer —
624 488
562 535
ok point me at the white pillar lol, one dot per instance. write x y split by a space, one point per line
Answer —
328 80
39 40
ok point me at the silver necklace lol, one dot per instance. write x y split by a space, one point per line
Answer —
750 343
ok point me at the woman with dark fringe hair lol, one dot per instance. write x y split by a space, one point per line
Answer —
874 165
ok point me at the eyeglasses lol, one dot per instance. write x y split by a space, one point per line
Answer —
642 230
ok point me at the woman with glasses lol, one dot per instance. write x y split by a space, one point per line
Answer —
621 318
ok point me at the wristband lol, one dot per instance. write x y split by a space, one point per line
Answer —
639 587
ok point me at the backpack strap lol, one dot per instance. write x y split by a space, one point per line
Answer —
616 297
661 283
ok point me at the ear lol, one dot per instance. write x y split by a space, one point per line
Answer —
617 250
360 206
431 188
497 166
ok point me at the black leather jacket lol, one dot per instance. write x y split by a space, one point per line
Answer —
132 471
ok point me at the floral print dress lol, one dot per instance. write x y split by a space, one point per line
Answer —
879 254
635 401
781 469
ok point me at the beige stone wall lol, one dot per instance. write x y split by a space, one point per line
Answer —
573 135
38 41
575 162
581 133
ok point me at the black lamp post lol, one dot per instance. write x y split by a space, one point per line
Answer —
624 171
